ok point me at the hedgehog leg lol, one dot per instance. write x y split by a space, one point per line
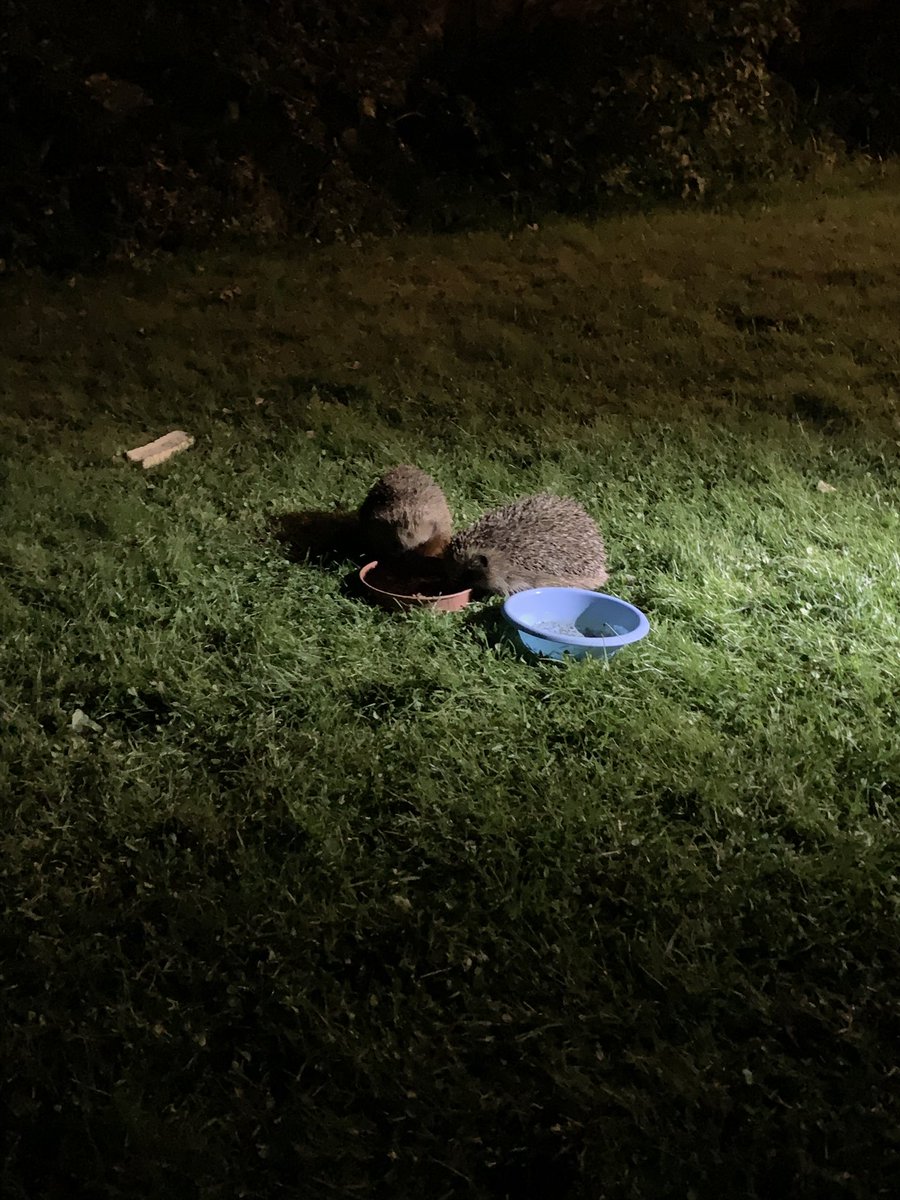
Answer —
436 544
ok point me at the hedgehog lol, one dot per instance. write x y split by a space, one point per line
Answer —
405 512
538 541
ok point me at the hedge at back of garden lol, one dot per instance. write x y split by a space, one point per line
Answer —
129 126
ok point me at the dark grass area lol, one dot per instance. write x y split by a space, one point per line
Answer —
334 902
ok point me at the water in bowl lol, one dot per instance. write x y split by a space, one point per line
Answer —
578 628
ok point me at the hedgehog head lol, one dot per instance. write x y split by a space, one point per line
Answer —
487 569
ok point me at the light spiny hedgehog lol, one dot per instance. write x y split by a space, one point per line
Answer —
538 541
405 511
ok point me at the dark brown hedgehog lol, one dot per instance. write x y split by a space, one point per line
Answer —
405 511
539 541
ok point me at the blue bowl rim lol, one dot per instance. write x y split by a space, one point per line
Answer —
620 639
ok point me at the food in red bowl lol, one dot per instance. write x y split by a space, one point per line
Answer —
413 582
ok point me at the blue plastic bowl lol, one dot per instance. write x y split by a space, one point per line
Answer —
559 621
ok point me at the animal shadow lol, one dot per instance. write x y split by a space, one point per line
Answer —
486 622
327 538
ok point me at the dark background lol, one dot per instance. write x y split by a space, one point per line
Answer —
129 127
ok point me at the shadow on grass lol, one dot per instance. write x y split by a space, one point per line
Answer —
330 539
486 623
326 538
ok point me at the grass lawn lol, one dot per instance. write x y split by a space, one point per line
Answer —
336 903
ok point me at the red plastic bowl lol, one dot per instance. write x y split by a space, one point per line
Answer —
389 595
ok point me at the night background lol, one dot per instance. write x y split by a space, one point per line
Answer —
130 127
304 897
